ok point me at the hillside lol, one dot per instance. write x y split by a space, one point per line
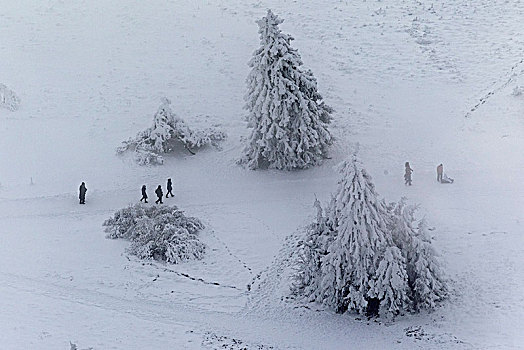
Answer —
410 81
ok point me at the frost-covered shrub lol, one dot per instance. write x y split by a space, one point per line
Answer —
144 157
167 133
8 99
285 109
73 346
157 232
364 256
518 91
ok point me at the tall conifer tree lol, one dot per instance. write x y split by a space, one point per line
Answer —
287 113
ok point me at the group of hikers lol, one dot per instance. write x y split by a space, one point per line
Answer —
441 177
159 193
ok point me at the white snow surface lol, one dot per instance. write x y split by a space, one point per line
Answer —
419 81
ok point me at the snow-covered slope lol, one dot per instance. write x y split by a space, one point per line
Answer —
413 81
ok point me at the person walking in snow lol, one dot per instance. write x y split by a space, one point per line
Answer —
159 194
440 171
82 195
407 174
144 194
169 188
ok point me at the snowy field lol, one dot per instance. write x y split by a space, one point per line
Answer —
419 81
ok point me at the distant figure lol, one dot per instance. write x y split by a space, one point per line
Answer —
440 171
144 194
407 174
83 190
169 188
159 194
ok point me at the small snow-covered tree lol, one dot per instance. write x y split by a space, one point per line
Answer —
310 252
425 275
157 232
360 266
429 287
391 291
168 132
8 99
285 109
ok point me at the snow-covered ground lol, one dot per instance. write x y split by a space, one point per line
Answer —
419 81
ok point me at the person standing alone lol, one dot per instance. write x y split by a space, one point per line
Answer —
159 194
144 194
407 174
82 195
440 171
169 188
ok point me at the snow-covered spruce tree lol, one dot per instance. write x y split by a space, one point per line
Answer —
167 132
361 269
285 110
157 232
425 277
311 249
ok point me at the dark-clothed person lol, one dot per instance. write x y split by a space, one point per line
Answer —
169 188
159 194
144 194
440 171
407 174
82 195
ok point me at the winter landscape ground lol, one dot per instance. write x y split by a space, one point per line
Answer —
419 81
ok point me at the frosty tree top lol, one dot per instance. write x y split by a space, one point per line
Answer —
288 115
